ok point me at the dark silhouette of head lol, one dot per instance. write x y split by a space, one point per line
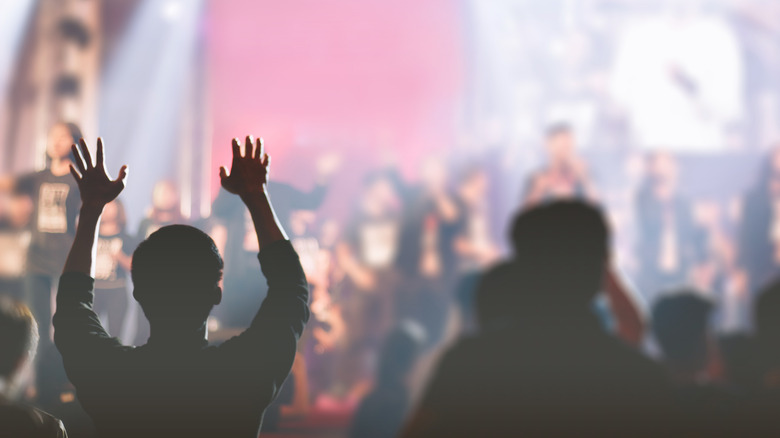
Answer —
767 315
176 273
561 253
18 338
681 325
399 353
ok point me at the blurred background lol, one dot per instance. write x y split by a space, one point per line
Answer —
405 135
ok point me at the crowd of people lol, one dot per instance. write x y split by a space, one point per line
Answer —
419 321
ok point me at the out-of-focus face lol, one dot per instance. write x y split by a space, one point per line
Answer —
378 198
59 142
561 147
110 212
165 196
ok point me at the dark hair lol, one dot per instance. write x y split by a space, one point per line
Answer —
175 272
561 248
557 129
18 334
680 324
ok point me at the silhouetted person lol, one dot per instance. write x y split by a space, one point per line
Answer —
382 412
542 365
176 384
18 344
682 325
757 363
242 277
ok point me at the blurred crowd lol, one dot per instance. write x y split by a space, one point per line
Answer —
394 284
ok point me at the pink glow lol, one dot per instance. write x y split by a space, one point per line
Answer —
370 73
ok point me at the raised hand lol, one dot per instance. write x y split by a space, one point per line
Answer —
248 173
96 188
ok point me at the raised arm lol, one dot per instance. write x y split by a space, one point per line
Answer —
97 190
626 308
249 180
78 333
267 348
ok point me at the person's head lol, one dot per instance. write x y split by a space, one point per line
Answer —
560 143
18 341
379 195
561 252
399 353
165 196
681 325
114 213
61 137
176 273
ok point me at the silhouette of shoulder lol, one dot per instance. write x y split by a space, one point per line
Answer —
21 421
518 380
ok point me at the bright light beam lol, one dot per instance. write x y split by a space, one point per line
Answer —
142 93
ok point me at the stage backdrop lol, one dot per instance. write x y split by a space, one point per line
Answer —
375 80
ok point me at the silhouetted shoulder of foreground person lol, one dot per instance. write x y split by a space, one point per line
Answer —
22 421
18 345
541 363
177 385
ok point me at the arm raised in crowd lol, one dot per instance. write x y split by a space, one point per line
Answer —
78 332
271 339
626 308
97 190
